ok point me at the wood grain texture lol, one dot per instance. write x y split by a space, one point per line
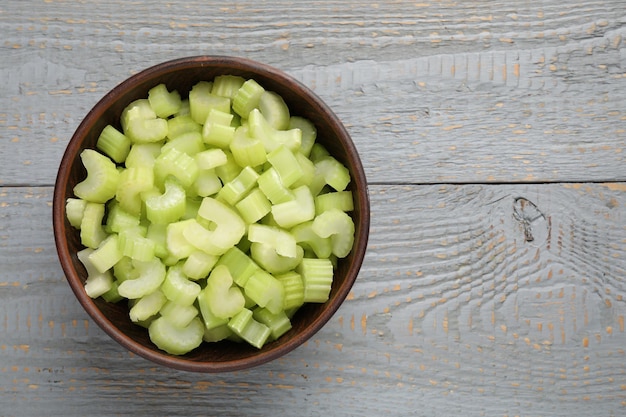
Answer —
493 136
470 92
456 312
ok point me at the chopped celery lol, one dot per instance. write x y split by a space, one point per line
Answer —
308 135
234 190
178 287
190 143
181 124
306 237
142 155
217 130
99 284
74 210
286 164
135 245
178 164
198 264
107 254
173 339
147 306
91 231
239 264
180 315
330 171
207 183
269 259
151 275
282 241
247 98
134 181
211 158
341 200
223 298
254 206
294 212
250 330
271 137
266 291
339 226
167 207
118 219
201 101
227 85
113 143
278 323
176 243
317 278
164 103
274 109
294 289
102 178
273 188
246 150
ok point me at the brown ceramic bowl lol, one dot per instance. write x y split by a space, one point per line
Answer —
181 74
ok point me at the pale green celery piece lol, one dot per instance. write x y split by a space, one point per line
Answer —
308 239
190 143
247 98
272 138
294 290
211 158
182 124
317 277
107 254
164 103
278 323
246 150
151 275
112 296
134 244
143 155
91 229
74 209
207 184
201 102
226 172
138 109
294 212
125 270
254 206
281 240
102 178
229 226
309 133
285 163
177 245
239 264
178 287
157 233
266 256
222 297
133 181
332 172
274 109
250 330
118 219
140 130
169 206
147 306
234 190
227 85
272 186
211 321
83 257
113 143
266 291
308 171
341 200
176 340
199 264
217 333
339 226
99 284
178 164
180 315
318 152
217 130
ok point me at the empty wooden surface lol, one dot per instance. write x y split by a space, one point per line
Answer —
493 136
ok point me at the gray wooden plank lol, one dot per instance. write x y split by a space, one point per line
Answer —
473 300
432 93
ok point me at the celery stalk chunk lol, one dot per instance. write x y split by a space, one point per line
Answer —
272 186
151 275
74 210
198 264
247 98
113 143
234 190
181 124
102 178
147 306
266 291
223 298
164 103
254 206
210 320
91 231
239 264
180 315
217 130
286 164
176 340
245 326
341 200
268 258
228 231
339 226
308 135
274 109
202 101
278 323
167 207
190 143
294 212
294 289
211 158
178 164
247 150
271 137
99 284
178 288
282 241
308 239
329 171
134 180
227 85
176 243
317 278
107 254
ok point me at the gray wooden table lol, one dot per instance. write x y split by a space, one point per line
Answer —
493 136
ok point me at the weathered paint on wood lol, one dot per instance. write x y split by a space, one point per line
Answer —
493 135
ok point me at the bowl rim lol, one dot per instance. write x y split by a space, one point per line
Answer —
60 224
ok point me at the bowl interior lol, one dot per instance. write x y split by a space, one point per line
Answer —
181 75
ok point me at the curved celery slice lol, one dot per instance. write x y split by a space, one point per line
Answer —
306 237
254 206
151 275
282 241
278 323
142 155
135 245
211 158
138 109
178 164
180 315
294 212
179 288
332 172
341 200
339 226
272 186
308 135
118 219
134 181
198 264
190 143
317 279
202 101
274 109
176 340
167 207
74 210
217 130
99 284
250 330
176 243
247 98
113 143
239 264
271 137
229 226
181 124
107 254
246 150
266 256
227 85
164 103
207 183
234 190
91 231
266 291
223 298
286 164
102 178
147 306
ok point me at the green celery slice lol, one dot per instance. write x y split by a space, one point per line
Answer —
227 85
285 163
211 158
98 284
341 200
234 190
266 291
74 210
294 212
223 298
308 135
254 206
107 254
190 143
169 206
147 306
307 238
102 178
207 183
246 150
198 264
176 340
273 138
202 101
250 330
239 264
281 240
178 164
278 323
339 226
181 124
177 245
113 143
164 103
178 287
151 275
217 130
272 186
266 256
274 109
247 97
180 315
134 181
294 289
91 231
317 277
